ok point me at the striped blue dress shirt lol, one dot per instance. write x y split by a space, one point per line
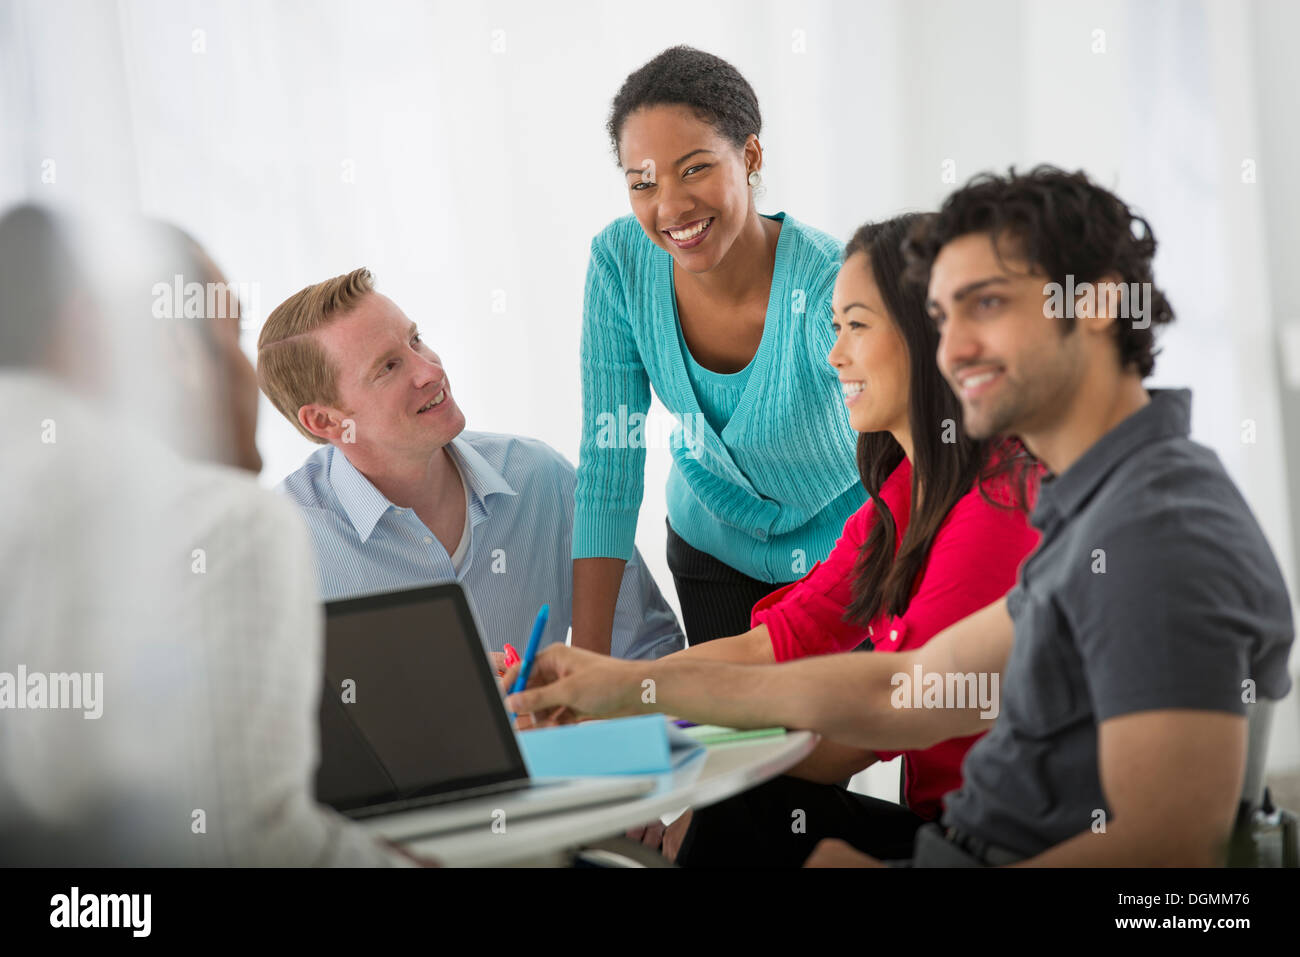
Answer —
520 548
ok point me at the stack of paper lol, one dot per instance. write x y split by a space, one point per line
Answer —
646 744
711 734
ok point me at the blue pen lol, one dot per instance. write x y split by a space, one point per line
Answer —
530 653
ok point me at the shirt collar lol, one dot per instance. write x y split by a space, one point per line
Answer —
483 480
1167 415
361 502
364 505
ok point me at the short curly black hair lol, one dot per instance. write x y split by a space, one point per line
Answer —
707 85
1062 223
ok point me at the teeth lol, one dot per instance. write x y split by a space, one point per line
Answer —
975 381
681 235
851 388
436 400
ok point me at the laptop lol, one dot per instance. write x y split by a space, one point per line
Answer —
415 739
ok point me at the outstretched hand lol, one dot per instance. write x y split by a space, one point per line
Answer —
568 684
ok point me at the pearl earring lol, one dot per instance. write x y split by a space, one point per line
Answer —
755 179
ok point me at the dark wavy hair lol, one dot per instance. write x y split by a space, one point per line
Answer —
946 463
1061 223
707 85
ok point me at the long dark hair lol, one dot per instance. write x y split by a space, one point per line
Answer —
946 463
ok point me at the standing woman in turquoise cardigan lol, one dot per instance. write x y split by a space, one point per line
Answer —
726 313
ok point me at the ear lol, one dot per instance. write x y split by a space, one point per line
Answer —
324 422
753 153
180 347
1103 305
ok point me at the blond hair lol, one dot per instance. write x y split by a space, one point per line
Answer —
292 367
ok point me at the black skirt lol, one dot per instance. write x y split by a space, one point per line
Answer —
716 599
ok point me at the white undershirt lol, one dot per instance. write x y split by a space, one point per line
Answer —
458 557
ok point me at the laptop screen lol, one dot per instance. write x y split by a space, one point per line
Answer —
410 705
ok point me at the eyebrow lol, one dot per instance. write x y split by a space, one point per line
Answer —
677 162
374 366
854 305
967 289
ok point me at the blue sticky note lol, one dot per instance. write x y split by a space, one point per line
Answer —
640 745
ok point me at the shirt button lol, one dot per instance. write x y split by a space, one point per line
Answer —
428 540
761 533
893 634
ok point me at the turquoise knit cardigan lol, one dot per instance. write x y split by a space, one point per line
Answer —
768 495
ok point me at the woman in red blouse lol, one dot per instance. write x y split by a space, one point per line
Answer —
941 537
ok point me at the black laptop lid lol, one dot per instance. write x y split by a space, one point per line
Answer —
410 705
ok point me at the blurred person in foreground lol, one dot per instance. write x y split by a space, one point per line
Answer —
160 652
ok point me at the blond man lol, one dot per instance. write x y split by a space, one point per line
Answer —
400 495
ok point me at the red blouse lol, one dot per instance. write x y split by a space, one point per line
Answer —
973 562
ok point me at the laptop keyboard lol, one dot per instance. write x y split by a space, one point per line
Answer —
432 800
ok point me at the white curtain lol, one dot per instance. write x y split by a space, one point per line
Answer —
458 150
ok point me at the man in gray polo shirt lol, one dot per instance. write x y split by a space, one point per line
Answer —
1153 615
1152 590
1141 632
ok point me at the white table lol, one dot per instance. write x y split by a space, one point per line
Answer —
720 772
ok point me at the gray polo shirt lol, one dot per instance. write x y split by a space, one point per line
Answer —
1152 587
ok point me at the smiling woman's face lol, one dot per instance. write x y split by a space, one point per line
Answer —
688 184
869 354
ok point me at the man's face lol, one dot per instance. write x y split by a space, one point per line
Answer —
239 378
216 383
1005 357
390 384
